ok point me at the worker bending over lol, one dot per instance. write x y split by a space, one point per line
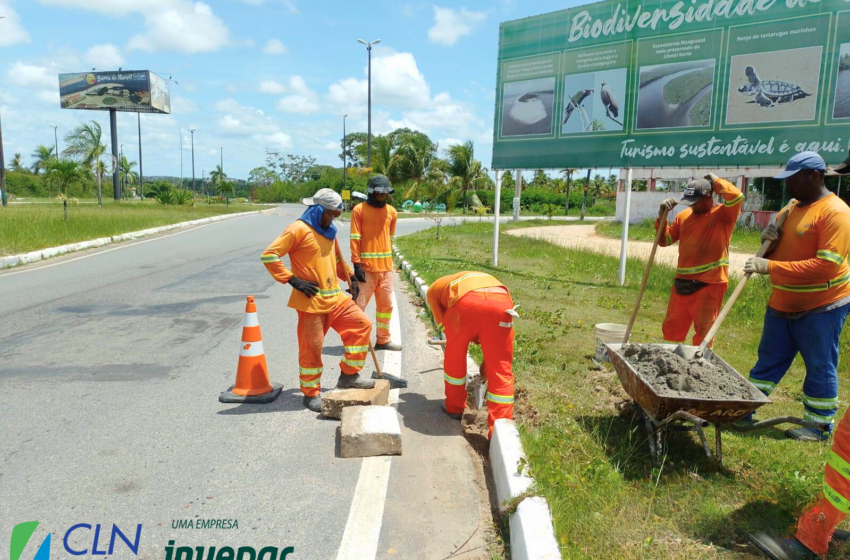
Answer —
703 231
475 307
816 527
808 268
316 261
372 228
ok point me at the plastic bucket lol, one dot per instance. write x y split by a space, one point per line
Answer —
607 333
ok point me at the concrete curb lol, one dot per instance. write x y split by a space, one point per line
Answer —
531 529
43 254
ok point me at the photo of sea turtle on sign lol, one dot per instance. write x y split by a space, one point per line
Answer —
778 86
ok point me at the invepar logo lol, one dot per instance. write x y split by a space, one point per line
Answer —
21 536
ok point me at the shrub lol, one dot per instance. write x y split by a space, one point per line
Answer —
183 197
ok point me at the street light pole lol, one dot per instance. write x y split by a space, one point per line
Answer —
121 176
192 130
55 140
369 131
344 154
2 169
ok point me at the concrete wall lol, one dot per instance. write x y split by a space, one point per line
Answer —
644 205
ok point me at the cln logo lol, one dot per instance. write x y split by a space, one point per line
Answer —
22 532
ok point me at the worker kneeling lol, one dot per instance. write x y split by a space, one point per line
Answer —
703 231
316 261
475 307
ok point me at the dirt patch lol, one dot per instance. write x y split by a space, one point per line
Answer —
671 375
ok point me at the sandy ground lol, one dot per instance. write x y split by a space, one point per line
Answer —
585 237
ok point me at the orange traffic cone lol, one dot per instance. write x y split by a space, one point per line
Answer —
252 373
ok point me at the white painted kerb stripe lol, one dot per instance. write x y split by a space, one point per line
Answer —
363 528
251 320
253 349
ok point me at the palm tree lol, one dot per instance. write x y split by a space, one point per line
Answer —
465 171
419 165
383 161
84 143
41 155
126 173
17 163
218 176
568 175
65 172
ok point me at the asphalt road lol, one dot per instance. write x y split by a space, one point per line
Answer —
111 363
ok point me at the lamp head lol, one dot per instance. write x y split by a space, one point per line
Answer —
362 41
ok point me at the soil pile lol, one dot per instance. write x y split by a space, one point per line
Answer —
670 375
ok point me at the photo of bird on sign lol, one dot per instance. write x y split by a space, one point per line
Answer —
593 101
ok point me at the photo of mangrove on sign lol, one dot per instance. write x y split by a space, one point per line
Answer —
527 107
594 101
842 85
778 86
675 95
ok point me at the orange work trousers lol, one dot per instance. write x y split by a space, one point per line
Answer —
381 285
481 315
817 525
699 309
353 327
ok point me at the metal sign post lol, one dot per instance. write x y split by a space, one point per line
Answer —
497 203
624 242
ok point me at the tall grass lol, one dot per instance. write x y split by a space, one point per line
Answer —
29 227
588 452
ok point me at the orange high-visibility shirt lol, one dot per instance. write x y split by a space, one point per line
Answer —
704 238
371 232
314 258
446 291
809 267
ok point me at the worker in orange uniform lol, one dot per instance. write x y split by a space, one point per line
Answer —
475 307
316 261
703 231
372 229
816 527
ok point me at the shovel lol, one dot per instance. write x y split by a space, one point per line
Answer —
661 218
687 352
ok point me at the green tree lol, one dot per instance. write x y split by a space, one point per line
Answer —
84 143
350 148
126 174
218 177
41 156
465 171
540 180
17 163
65 172
290 167
417 164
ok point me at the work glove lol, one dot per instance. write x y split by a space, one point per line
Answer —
309 289
667 204
355 287
757 265
771 233
711 178
359 273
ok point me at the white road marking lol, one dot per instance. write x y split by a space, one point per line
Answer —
363 528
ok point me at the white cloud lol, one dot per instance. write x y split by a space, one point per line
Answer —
301 101
171 25
278 139
32 76
183 105
106 57
272 87
49 96
332 146
274 46
450 25
238 120
13 31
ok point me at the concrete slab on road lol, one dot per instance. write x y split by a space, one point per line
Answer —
111 363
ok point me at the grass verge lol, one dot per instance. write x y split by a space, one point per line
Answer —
29 227
588 452
744 240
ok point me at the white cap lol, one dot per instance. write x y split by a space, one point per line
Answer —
328 199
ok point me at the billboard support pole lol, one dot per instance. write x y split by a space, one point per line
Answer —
496 207
113 125
141 171
517 194
625 239
584 200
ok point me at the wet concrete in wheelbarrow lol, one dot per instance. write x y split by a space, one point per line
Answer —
670 375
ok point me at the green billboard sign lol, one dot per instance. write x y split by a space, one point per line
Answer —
698 83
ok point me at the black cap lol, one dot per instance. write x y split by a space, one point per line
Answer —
843 168
379 184
696 190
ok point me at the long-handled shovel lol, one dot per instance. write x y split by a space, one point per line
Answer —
395 382
661 219
693 355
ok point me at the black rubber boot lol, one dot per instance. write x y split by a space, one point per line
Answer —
806 434
354 382
781 548
313 403
391 346
452 415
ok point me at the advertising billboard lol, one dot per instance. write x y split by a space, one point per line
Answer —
664 83
133 91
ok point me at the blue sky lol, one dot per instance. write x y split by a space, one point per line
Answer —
257 75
